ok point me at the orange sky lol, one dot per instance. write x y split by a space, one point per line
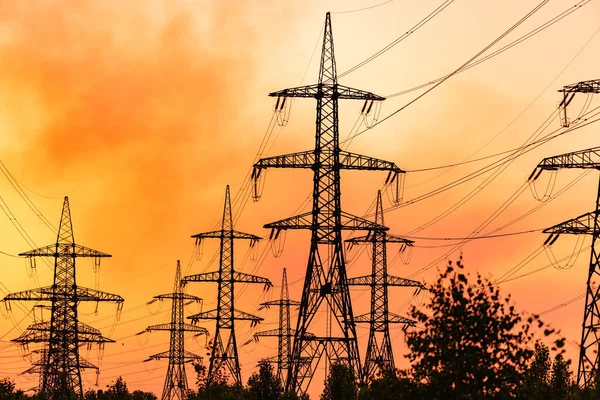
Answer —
142 112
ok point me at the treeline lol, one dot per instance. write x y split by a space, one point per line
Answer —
470 343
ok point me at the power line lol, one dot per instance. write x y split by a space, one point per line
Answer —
521 39
459 69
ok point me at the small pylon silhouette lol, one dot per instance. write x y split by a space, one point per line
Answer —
60 363
224 352
176 386
379 350
284 333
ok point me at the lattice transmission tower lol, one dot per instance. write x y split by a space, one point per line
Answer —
325 285
60 364
224 351
379 355
176 386
284 333
585 224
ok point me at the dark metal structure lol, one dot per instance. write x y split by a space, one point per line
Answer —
176 386
325 285
379 355
584 224
284 333
569 91
224 352
60 363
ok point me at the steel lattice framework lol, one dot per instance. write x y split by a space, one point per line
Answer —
60 363
176 386
584 224
569 91
224 352
379 355
325 285
284 333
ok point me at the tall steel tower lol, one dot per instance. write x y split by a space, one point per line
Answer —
60 363
284 333
379 354
325 285
224 352
585 224
176 386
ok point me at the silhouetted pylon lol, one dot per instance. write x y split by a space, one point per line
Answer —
380 355
176 386
325 286
284 333
589 223
60 362
224 352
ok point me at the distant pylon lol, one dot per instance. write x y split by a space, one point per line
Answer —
176 386
380 355
589 223
284 333
60 363
325 286
224 352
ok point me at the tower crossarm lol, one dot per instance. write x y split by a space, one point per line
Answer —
172 327
83 363
581 225
64 249
279 303
47 293
187 355
304 221
372 238
360 162
569 91
591 86
269 333
205 277
583 159
324 90
242 277
177 296
238 315
226 233
397 281
38 294
87 294
366 280
399 319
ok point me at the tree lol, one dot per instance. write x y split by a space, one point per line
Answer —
219 388
473 344
390 385
264 385
118 389
340 383
536 384
141 395
561 383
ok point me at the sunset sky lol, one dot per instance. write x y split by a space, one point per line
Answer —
143 111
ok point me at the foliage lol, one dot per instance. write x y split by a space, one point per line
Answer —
340 383
264 385
474 343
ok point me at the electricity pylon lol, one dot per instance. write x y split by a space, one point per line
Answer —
584 224
284 333
60 363
325 285
379 355
176 386
224 352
